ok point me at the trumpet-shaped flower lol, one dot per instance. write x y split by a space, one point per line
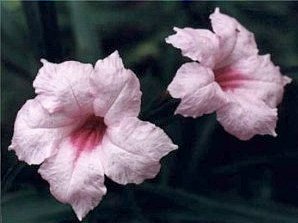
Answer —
83 125
227 77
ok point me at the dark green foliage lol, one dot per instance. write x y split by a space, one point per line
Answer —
213 177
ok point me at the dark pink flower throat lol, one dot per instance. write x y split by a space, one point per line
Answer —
228 79
90 134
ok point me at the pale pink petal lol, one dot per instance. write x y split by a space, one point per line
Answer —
116 90
255 75
198 44
236 42
226 29
65 86
131 151
198 91
75 178
37 133
245 117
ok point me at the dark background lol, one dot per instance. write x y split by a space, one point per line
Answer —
213 177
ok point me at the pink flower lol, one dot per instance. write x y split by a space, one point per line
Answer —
228 77
83 125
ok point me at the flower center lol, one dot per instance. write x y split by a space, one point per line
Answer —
90 134
228 79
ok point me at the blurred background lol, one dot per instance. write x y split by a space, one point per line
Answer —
213 177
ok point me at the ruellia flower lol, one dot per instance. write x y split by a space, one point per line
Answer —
227 77
83 125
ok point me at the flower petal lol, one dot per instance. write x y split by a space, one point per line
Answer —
198 91
75 178
258 76
236 42
37 133
132 150
198 44
116 90
226 28
64 86
245 117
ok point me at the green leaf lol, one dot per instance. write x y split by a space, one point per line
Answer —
30 206
224 209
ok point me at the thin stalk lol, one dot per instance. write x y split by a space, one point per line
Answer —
199 148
